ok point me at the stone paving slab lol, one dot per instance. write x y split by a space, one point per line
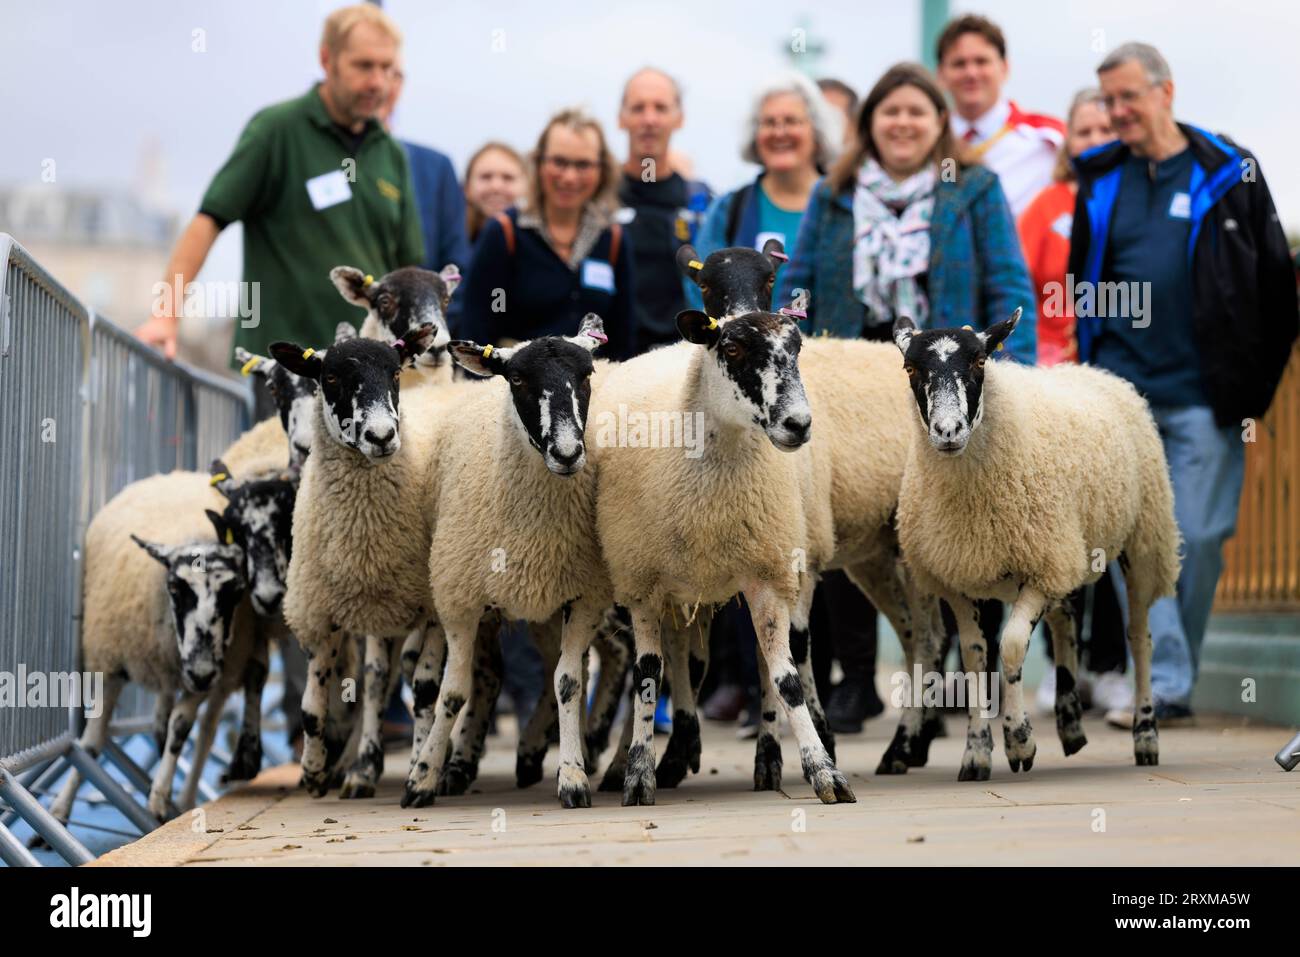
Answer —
1216 798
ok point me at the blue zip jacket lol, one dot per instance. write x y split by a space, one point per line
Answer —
976 276
1244 306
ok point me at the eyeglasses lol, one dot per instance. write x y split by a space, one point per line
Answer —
1125 98
562 164
773 125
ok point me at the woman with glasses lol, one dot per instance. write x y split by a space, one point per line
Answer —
794 135
540 266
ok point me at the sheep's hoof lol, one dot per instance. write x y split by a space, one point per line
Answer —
38 843
158 804
832 787
247 760
528 768
681 753
573 788
975 768
455 779
356 790
1018 740
639 781
767 763
417 797
1146 744
897 757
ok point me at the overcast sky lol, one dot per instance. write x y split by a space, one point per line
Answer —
89 83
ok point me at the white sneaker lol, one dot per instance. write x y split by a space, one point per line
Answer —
1045 697
1112 691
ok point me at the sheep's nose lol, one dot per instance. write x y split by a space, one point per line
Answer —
302 450
797 426
380 437
568 460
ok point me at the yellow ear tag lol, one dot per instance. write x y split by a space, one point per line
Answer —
713 324
487 352
250 365
230 537
218 478
1001 346
968 328
309 353
695 264
369 281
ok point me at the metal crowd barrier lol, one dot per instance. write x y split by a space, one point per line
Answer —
88 411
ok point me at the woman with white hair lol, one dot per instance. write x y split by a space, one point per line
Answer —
794 135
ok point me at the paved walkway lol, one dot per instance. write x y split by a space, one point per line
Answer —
1216 798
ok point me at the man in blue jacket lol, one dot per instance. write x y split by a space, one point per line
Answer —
1180 222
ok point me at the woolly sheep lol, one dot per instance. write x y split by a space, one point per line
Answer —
749 513
1021 483
514 529
163 607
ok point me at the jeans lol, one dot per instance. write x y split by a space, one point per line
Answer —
1207 467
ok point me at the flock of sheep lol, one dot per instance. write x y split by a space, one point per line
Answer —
392 516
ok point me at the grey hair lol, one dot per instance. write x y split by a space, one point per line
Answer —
827 123
1153 64
1089 94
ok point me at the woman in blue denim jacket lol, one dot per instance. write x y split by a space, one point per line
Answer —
906 224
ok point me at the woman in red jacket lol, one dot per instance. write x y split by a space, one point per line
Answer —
1045 226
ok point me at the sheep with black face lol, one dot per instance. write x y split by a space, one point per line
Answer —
514 530
744 515
400 301
360 525
165 607
1017 480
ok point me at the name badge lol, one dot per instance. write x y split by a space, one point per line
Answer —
762 238
1180 207
597 274
329 189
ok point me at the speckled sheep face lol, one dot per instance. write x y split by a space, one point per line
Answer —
205 583
358 397
260 516
734 281
549 386
751 375
401 301
946 371
294 397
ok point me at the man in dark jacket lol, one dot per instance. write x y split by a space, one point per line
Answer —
1193 300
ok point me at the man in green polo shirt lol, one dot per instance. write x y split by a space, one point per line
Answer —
317 183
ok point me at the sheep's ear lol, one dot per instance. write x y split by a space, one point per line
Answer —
591 334
414 342
480 360
352 285
344 331
904 329
774 250
993 337
251 363
688 261
450 276
698 328
161 552
225 531
299 361
221 478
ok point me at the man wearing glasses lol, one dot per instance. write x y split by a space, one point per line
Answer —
1181 220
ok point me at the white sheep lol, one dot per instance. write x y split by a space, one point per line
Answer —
747 509
859 397
1021 483
360 525
164 606
514 529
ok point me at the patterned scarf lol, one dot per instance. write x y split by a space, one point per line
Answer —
891 249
